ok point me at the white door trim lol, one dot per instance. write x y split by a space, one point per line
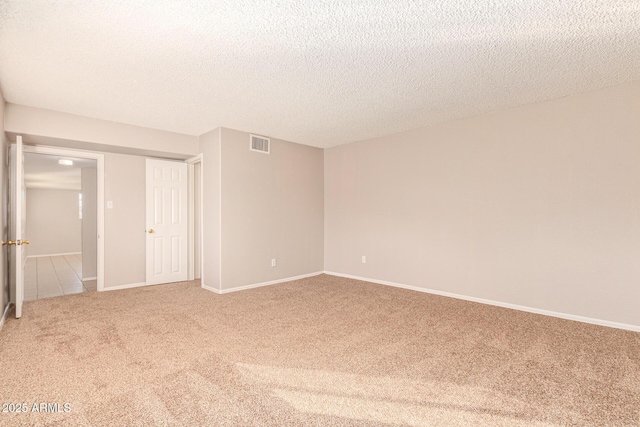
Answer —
191 195
194 159
99 157
18 224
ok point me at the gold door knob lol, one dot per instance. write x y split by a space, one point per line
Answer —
4 243
11 242
25 242
150 230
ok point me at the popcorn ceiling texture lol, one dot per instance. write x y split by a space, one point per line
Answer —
320 73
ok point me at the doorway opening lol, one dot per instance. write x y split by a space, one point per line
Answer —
87 267
61 224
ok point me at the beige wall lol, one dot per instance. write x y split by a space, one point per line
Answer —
272 207
125 147
68 130
210 149
537 206
125 259
89 177
53 222
4 184
124 240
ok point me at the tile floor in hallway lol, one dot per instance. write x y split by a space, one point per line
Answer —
55 276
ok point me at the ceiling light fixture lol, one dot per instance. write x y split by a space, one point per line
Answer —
65 162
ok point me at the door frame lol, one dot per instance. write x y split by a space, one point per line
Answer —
17 223
191 162
91 155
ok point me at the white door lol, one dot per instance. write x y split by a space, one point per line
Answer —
17 233
166 221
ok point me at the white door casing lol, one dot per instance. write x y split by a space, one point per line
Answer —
194 174
17 236
167 221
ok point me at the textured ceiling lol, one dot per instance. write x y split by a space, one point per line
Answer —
44 171
322 72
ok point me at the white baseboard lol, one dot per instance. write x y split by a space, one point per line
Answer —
5 315
129 286
583 319
84 279
259 285
209 288
66 253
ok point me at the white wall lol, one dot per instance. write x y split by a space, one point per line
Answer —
537 206
89 177
272 207
53 222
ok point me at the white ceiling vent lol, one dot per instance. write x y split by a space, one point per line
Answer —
260 143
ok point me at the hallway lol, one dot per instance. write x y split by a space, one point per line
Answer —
55 276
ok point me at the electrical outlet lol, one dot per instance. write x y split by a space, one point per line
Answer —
273 262
364 259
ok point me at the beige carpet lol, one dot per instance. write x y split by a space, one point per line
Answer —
323 351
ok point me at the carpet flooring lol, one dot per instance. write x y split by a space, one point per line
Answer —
322 351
